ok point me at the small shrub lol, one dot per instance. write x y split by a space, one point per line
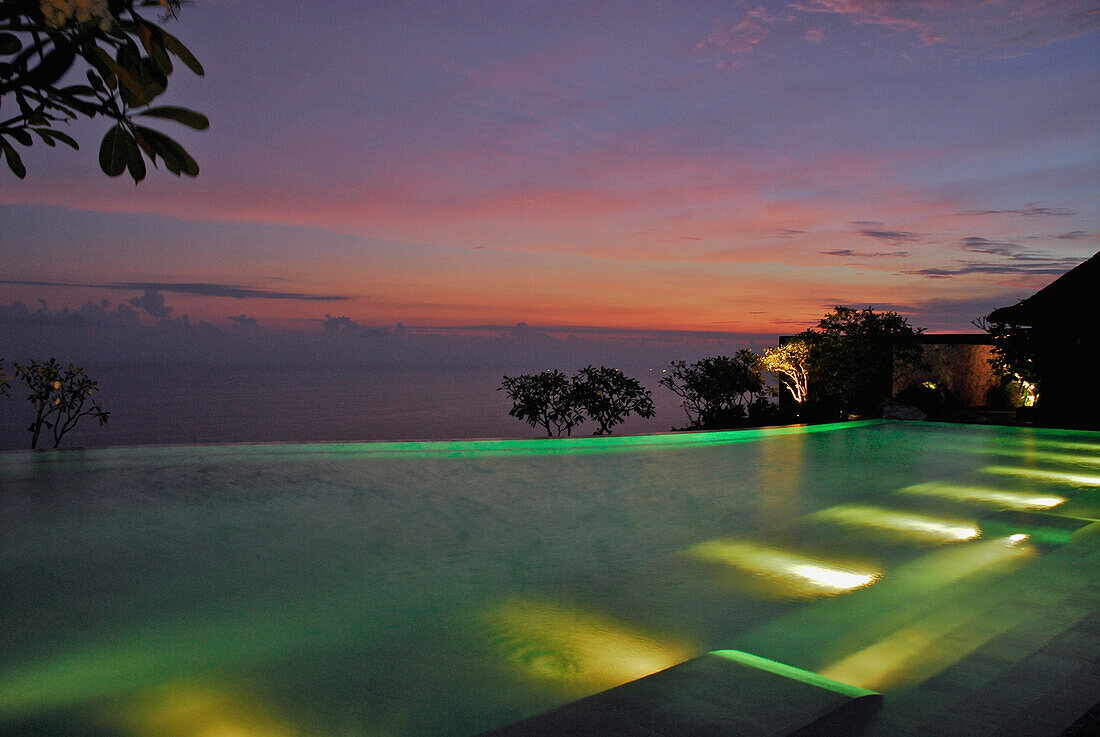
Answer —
61 397
545 399
718 391
558 403
608 397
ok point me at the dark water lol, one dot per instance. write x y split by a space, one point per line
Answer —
201 403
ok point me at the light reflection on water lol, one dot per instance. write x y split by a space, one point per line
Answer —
929 640
339 591
893 521
1046 475
985 495
793 575
581 652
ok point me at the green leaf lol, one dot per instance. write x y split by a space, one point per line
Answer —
145 146
114 151
118 72
141 29
81 90
53 66
14 162
64 138
149 79
134 162
98 59
44 134
95 81
181 52
175 157
9 44
163 61
190 118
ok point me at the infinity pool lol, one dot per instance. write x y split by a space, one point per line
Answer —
449 588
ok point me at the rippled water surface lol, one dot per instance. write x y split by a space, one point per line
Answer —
447 588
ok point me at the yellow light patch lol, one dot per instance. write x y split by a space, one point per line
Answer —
1064 444
909 655
915 525
1048 456
581 652
199 710
796 575
979 494
1065 477
933 638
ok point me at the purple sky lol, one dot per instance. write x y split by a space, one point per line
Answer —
694 166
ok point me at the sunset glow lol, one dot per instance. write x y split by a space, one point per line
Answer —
716 167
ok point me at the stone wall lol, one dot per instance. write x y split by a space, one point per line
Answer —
961 366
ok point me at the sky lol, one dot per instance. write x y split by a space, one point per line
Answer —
698 167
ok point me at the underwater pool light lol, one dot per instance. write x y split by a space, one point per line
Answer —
832 578
1048 456
799 575
917 525
999 497
1065 477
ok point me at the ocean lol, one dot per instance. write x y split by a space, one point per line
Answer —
186 403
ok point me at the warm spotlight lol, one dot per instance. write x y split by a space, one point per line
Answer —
796 575
983 495
913 525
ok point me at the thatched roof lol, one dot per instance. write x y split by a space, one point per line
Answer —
1073 296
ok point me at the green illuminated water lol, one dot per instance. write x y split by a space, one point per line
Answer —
447 588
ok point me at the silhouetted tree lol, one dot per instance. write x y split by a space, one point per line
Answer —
853 355
546 399
607 397
126 59
61 396
717 391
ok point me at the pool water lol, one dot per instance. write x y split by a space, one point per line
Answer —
449 588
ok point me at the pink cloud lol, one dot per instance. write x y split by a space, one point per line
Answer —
728 41
977 24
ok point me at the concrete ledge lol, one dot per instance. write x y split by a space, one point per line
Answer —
726 693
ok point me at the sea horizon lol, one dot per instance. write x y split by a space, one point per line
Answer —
186 403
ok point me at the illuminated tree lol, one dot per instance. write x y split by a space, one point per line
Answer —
789 363
717 391
61 397
1014 350
608 396
126 60
546 399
